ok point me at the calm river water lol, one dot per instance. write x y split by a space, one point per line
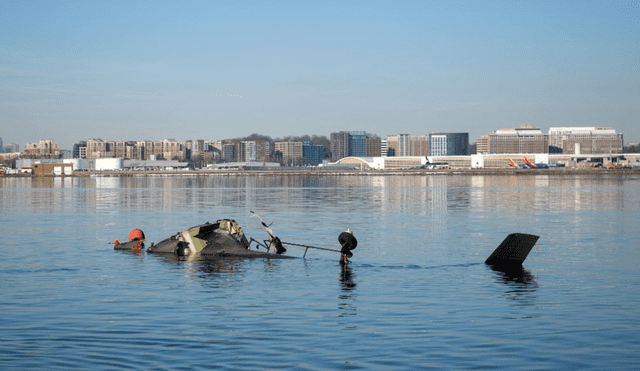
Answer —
416 296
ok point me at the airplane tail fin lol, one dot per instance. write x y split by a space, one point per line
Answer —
513 250
526 161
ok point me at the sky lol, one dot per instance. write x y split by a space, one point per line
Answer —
154 70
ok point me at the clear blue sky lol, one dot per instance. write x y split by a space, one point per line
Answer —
150 70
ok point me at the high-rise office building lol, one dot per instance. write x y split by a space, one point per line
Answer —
448 144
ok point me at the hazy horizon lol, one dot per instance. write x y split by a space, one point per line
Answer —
73 71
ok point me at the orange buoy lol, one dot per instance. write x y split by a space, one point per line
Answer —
136 234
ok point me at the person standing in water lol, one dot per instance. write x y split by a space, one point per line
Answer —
348 243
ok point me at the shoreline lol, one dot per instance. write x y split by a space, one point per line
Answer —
309 172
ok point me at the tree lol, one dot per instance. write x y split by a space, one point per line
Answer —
631 148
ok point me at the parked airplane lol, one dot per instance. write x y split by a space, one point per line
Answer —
522 166
537 166
526 164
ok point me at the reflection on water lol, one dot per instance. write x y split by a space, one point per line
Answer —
347 298
423 194
346 278
520 284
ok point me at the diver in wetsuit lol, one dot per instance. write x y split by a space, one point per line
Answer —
348 243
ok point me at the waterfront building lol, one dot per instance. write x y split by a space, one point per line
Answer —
291 152
448 144
402 145
393 144
313 153
171 149
96 148
255 150
585 140
418 145
79 150
525 139
357 143
482 144
384 147
339 145
374 146
350 143
188 149
247 151
382 163
199 146
45 148
230 150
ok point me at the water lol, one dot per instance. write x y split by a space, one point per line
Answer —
417 295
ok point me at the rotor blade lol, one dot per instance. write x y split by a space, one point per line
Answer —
264 225
310 247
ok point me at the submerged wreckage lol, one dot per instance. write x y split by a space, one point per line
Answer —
222 238
225 238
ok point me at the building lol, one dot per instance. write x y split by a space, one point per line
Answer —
384 147
585 140
402 145
97 148
349 143
393 145
12 148
313 153
80 149
382 163
292 152
358 143
229 152
52 169
255 150
525 139
448 144
482 144
374 146
418 145
339 145
188 149
171 149
45 148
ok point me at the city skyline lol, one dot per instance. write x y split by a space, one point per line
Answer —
150 71
330 137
